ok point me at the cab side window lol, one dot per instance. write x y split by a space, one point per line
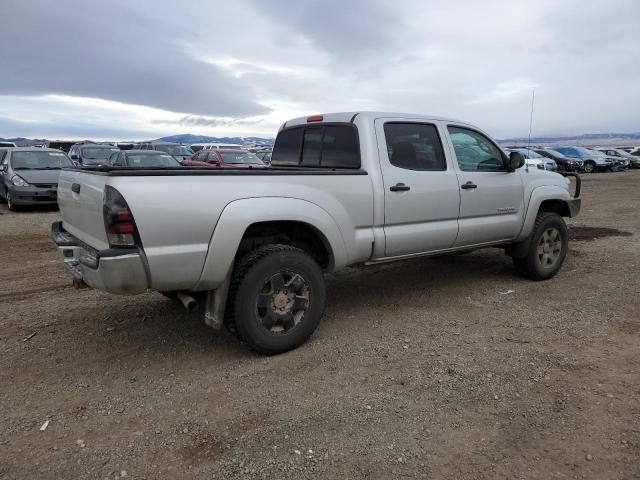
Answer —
475 152
414 146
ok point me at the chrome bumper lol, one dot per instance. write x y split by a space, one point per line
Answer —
115 270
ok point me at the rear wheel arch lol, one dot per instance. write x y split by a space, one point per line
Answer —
246 224
295 233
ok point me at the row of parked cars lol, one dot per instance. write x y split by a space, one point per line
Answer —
29 175
580 159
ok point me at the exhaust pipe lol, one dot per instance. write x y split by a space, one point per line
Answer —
77 280
188 301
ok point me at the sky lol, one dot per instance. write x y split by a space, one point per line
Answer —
119 69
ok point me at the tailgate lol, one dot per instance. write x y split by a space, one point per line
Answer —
80 196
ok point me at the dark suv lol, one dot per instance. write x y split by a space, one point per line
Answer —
179 152
91 153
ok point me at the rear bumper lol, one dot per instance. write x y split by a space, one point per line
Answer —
116 270
33 196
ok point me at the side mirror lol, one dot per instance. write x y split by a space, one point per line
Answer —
516 160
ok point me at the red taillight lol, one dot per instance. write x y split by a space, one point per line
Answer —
123 215
118 220
314 118
125 228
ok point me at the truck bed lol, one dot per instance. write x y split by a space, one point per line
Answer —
176 211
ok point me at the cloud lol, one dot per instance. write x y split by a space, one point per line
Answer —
197 121
255 64
106 50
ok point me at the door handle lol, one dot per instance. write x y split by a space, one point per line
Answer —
469 185
75 188
400 187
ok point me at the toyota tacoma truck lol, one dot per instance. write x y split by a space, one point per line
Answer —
250 247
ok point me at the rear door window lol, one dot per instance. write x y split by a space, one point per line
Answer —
414 146
328 146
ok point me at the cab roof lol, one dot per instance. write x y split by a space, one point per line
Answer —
348 117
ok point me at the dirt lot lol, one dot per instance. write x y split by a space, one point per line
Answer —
450 367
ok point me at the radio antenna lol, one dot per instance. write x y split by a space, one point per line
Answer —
533 99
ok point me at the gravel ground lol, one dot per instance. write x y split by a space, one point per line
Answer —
449 367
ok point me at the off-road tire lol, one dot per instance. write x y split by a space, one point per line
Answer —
248 281
531 266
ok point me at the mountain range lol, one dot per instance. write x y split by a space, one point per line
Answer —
587 139
190 139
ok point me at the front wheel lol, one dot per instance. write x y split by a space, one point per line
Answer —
549 243
10 205
589 167
278 297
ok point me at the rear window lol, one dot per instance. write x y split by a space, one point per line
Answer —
151 160
327 146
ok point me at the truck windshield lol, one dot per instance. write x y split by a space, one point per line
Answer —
244 157
39 160
178 150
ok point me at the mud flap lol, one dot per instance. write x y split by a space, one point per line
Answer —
216 303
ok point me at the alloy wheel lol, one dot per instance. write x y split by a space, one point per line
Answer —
549 248
282 302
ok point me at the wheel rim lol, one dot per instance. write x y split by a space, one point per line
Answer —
549 248
282 302
588 167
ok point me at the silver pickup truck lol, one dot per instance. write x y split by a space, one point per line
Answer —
250 246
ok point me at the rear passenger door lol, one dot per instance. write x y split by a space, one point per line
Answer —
421 193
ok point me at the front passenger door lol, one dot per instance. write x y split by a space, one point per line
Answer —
491 198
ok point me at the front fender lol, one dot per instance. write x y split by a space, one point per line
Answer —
539 195
238 215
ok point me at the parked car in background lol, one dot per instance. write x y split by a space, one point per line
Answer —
228 158
196 147
91 153
591 161
264 155
29 176
631 160
534 159
179 152
3 151
64 145
618 162
7 144
143 158
564 163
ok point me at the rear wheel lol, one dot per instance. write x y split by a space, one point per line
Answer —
589 167
549 243
277 297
